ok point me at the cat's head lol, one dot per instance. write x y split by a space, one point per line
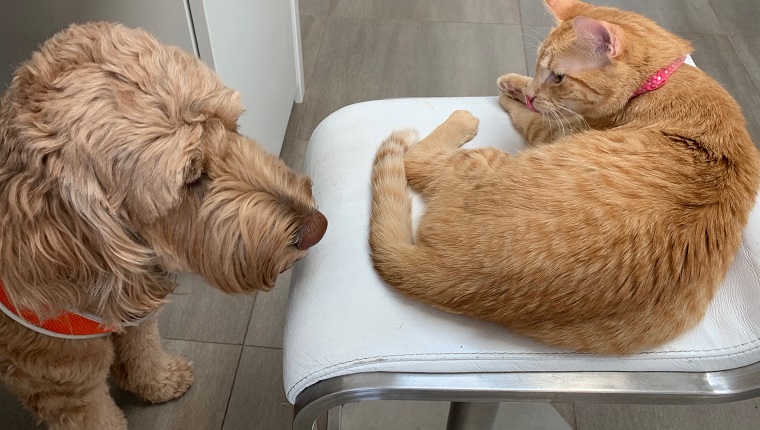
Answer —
596 57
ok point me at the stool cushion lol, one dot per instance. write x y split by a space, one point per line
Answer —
343 319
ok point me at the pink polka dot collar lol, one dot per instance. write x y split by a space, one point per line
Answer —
659 78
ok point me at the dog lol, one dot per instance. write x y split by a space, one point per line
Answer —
120 163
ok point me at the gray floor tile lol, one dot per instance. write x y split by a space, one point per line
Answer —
294 152
534 12
397 415
733 416
200 312
416 415
694 16
533 36
500 12
13 415
530 416
748 49
258 398
738 16
312 30
314 7
296 113
268 317
365 60
204 405
716 55
567 411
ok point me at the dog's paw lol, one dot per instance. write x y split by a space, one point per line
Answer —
171 382
158 385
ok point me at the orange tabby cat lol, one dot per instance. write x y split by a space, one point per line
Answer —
612 233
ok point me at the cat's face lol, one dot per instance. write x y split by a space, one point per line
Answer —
595 58
577 71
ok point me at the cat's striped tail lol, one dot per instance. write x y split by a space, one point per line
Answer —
391 235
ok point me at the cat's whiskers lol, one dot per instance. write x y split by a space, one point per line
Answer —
583 122
558 118
532 45
564 117
569 123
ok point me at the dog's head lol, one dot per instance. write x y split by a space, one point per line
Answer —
123 155
245 217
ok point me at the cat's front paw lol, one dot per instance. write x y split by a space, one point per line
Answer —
512 85
466 123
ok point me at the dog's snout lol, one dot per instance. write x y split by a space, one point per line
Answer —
312 230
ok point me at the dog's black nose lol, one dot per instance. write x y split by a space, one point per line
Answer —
312 230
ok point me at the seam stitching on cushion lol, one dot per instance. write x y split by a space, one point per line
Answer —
537 353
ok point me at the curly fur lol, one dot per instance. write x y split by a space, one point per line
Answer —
119 162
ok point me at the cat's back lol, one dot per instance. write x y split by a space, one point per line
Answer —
680 172
695 106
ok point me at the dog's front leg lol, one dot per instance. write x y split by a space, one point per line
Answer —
143 367
62 382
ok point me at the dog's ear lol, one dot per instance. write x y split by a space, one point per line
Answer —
166 167
136 183
163 156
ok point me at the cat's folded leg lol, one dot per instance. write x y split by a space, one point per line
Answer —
425 160
473 161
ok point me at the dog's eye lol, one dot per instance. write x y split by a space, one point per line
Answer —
556 78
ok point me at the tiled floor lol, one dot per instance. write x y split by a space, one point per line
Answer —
357 50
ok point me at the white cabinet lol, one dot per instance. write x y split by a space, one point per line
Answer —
251 45
254 45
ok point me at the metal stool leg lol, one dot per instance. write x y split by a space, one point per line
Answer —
472 415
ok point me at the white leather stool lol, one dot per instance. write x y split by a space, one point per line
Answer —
349 337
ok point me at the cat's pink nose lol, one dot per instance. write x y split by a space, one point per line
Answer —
529 102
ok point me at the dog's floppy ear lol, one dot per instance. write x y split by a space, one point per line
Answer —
157 182
155 154
170 149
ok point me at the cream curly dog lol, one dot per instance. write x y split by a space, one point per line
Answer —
119 162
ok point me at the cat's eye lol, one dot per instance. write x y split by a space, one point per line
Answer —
556 77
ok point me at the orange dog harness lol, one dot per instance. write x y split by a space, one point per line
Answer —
67 325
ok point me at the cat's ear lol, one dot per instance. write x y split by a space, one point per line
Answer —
563 9
601 36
